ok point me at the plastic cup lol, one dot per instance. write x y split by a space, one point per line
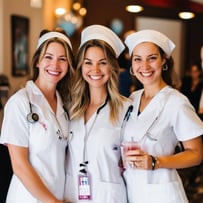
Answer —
125 147
132 145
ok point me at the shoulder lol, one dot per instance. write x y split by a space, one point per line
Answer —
17 99
176 97
178 103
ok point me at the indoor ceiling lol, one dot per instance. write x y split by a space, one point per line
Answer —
170 7
198 1
194 5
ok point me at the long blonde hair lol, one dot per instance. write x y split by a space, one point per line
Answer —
64 86
80 91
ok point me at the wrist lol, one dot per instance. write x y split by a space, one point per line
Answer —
155 162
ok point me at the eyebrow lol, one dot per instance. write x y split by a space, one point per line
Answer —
91 59
147 56
47 53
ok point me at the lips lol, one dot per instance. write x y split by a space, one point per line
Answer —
53 72
96 77
146 74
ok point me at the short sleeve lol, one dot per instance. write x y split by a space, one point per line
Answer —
185 121
15 127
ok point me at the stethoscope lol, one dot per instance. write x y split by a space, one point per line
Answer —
125 120
34 117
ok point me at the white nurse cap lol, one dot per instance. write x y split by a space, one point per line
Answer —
53 34
153 36
102 33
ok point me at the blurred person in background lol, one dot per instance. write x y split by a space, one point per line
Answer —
192 85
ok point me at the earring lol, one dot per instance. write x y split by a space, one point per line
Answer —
165 67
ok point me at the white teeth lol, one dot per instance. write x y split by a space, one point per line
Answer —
146 74
95 77
53 72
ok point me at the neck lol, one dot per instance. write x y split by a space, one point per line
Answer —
151 91
49 93
97 97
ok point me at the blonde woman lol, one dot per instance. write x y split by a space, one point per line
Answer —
35 124
93 173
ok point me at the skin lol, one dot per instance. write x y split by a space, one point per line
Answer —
147 67
95 71
52 68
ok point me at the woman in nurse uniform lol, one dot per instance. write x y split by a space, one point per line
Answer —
35 124
161 117
93 173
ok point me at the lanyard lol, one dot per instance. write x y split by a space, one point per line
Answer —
87 134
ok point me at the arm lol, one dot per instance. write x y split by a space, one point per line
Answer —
191 156
28 176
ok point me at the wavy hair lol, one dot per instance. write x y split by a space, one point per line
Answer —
64 86
168 74
80 91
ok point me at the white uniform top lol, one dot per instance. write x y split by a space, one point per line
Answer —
171 118
201 102
103 155
46 151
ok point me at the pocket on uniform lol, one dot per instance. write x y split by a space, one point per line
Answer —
110 192
172 192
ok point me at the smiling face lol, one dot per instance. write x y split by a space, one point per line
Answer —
147 63
53 66
95 69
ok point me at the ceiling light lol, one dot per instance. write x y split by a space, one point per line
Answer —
186 15
60 11
134 8
83 11
76 6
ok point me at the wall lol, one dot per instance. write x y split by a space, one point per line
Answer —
102 12
22 7
167 27
1 35
192 32
44 18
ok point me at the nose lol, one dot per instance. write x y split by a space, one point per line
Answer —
96 68
144 64
55 63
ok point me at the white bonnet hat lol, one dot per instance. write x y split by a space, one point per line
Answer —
102 33
53 34
153 36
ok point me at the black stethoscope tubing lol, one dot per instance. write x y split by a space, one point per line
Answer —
125 120
85 162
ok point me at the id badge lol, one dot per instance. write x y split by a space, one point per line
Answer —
84 187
